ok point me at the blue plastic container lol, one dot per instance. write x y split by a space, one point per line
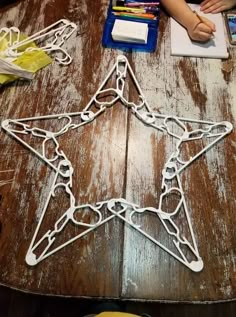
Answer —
108 42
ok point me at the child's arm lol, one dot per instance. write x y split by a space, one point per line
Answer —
197 30
215 6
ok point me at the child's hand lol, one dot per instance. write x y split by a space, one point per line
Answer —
202 31
215 6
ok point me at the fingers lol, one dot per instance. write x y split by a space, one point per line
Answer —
207 3
202 32
210 24
214 6
202 37
204 28
217 10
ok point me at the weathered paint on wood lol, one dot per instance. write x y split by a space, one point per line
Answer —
117 156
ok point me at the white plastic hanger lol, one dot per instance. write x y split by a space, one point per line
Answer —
118 207
53 38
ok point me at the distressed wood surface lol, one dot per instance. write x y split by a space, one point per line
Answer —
117 156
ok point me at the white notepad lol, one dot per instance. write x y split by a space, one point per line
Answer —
181 45
129 31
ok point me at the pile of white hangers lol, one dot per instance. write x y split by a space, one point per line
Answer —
49 40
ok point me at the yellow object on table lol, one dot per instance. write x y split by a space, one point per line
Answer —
30 60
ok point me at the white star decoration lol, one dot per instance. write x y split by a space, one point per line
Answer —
117 207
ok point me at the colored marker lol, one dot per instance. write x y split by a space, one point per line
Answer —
142 4
136 15
135 10
131 10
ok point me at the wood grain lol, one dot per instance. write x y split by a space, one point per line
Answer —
117 156
200 89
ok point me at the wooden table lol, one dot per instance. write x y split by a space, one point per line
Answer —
118 156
